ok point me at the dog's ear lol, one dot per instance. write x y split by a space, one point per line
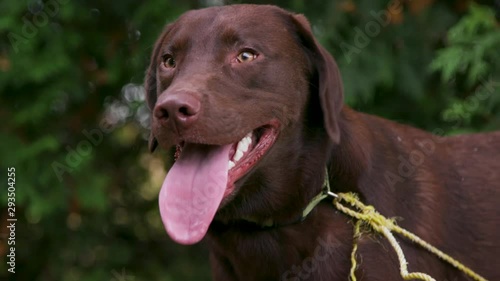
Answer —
327 74
151 83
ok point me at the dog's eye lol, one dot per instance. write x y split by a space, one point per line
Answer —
246 56
168 61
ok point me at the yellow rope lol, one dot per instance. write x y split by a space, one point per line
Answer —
385 226
357 234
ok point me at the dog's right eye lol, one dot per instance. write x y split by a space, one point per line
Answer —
168 61
246 56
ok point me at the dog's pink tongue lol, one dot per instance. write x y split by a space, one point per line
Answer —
193 190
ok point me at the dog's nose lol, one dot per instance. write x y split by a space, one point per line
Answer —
182 109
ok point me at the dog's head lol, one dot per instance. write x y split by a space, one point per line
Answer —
244 92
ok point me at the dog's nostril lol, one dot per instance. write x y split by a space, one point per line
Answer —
161 113
184 111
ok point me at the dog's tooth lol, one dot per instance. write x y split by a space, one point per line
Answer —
238 155
231 164
245 146
242 146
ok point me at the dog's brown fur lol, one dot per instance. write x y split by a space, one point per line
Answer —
446 190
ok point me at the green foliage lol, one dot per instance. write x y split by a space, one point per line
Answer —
74 122
471 60
473 45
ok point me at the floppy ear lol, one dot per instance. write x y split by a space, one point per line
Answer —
330 89
151 83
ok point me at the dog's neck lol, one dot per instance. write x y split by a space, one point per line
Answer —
324 193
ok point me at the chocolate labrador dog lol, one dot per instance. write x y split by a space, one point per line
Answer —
255 108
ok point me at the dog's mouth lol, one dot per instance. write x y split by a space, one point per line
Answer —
203 176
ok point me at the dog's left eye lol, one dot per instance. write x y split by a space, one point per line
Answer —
246 56
168 61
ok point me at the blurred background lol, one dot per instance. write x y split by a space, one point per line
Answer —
74 123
